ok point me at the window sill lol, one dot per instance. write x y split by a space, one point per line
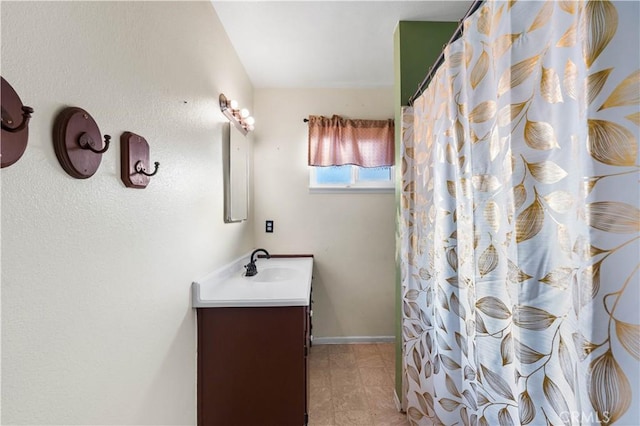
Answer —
341 190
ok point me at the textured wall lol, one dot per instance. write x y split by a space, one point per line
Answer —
96 318
350 234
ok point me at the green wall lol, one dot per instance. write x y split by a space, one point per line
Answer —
417 45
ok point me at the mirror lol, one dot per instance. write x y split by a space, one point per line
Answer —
236 174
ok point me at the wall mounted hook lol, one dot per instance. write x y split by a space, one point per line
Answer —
7 121
134 161
14 137
140 168
72 129
86 142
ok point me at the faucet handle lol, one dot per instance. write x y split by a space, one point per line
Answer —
251 269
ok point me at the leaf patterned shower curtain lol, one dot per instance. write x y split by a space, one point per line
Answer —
519 221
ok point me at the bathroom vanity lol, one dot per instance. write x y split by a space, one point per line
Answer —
254 335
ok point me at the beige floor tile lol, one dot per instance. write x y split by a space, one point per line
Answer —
319 349
353 418
368 359
388 359
366 348
353 385
391 372
342 360
389 418
380 398
322 418
345 377
320 399
319 377
340 349
348 398
376 376
319 361
386 346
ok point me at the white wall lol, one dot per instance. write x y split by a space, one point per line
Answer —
96 320
351 235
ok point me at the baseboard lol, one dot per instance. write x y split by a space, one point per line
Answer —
352 339
396 400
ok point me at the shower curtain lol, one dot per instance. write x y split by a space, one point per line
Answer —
519 221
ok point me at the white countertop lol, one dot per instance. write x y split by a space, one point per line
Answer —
279 282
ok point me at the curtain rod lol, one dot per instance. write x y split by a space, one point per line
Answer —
474 6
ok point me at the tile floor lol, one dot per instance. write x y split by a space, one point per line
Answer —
353 385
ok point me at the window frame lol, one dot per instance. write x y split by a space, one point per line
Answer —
375 186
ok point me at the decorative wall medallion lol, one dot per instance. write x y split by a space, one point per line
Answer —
78 142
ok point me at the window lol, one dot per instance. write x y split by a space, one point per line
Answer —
351 177
347 154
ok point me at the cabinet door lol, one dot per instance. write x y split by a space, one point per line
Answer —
252 366
307 348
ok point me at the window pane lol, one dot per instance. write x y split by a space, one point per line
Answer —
334 174
374 173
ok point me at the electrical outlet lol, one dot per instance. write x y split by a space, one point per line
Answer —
268 226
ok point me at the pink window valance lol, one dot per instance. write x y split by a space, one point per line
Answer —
338 141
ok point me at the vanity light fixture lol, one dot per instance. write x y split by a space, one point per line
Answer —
240 118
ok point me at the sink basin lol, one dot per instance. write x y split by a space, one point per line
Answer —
274 274
284 281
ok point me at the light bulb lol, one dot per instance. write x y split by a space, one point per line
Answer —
250 120
244 113
233 104
250 128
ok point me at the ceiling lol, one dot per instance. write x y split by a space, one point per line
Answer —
309 44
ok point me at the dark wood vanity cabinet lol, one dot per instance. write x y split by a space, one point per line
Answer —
253 366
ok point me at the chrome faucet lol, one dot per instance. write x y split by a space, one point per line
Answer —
251 266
